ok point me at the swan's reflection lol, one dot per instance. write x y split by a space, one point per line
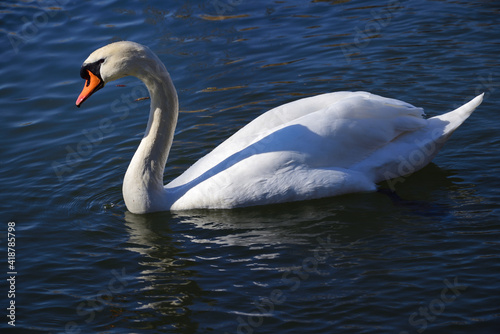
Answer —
185 257
257 227
168 284
151 235
199 267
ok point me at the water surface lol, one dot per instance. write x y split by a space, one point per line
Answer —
425 260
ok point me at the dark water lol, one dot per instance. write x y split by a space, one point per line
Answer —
426 260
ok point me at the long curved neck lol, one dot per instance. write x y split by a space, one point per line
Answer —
143 189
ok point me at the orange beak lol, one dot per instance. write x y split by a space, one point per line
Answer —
92 85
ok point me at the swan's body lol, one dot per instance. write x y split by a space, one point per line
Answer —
316 147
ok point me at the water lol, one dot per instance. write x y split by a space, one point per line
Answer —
423 261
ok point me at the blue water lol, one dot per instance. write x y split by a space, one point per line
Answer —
423 260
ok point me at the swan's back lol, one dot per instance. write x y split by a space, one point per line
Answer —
334 129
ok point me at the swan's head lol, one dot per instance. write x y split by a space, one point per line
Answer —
115 61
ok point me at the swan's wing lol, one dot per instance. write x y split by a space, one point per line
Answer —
329 130
260 126
268 178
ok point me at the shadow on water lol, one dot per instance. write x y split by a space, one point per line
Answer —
422 193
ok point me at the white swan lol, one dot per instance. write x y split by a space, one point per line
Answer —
320 146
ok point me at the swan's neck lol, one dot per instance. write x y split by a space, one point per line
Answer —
143 189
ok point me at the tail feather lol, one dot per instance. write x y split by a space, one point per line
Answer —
456 117
415 149
441 127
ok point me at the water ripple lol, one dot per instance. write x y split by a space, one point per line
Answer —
361 263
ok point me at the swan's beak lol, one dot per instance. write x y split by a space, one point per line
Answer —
92 85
